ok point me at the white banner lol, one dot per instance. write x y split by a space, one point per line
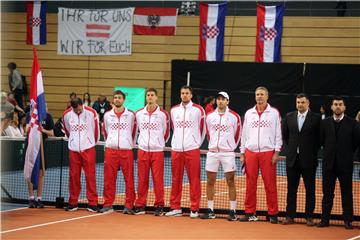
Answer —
95 32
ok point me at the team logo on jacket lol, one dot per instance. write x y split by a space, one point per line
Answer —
117 125
222 127
184 124
79 127
262 124
150 126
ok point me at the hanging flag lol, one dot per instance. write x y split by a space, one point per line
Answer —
212 28
268 33
155 21
36 22
37 114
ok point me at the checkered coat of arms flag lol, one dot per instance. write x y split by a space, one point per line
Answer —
212 28
269 33
36 22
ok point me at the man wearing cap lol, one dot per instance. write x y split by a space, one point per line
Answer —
261 143
223 133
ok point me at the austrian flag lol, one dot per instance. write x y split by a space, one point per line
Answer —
36 22
155 21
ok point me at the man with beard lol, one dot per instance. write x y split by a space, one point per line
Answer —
119 129
340 136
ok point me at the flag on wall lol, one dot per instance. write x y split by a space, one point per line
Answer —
155 21
37 114
36 22
212 28
269 33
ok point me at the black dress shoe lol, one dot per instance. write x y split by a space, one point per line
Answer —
349 226
273 219
323 224
288 221
310 222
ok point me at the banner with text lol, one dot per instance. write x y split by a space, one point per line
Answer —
95 31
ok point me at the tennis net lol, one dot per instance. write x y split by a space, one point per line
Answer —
14 188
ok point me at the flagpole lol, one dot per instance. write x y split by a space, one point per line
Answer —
42 153
188 79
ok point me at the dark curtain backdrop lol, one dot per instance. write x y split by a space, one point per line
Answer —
284 81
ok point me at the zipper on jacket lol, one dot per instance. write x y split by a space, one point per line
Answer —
79 131
259 132
219 133
183 130
118 145
149 132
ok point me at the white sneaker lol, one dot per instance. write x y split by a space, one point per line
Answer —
174 213
194 214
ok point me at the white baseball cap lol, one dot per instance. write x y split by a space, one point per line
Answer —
224 94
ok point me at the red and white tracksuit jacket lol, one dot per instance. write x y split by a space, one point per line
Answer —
188 123
83 133
261 136
120 136
223 130
154 132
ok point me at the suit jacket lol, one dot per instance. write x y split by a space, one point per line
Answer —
341 148
307 140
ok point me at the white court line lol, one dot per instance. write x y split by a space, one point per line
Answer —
354 238
15 209
50 223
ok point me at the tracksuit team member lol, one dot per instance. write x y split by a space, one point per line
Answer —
154 128
223 133
119 127
188 122
261 143
81 126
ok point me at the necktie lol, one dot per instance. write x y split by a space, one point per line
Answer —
301 120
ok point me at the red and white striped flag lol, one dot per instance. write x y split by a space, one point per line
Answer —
155 21
98 30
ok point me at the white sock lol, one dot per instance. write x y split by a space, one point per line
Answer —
32 197
232 205
39 198
211 204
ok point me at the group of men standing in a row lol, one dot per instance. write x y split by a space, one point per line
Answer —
261 141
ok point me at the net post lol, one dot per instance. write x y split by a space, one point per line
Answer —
60 199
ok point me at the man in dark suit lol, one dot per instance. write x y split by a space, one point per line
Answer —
340 136
301 134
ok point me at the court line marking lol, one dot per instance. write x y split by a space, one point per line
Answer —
51 223
14 209
354 238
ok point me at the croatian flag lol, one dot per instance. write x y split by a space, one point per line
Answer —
36 22
38 114
268 33
212 28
